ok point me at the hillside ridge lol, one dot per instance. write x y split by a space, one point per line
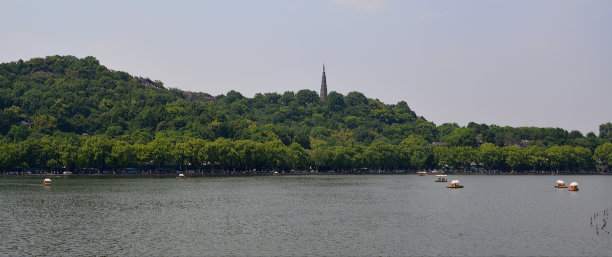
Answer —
65 111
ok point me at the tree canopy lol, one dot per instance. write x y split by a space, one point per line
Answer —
68 112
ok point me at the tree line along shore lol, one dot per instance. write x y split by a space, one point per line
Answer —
63 113
95 154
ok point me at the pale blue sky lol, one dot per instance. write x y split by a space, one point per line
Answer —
545 63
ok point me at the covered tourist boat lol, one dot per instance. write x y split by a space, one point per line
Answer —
181 176
440 178
421 173
47 182
573 186
454 184
560 184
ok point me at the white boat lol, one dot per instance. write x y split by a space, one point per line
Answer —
560 184
454 184
573 186
440 178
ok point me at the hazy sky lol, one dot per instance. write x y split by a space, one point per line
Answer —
545 63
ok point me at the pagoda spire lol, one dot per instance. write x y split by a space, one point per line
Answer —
323 93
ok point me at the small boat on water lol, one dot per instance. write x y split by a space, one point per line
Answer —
454 184
440 178
421 173
181 176
560 184
573 186
275 173
47 182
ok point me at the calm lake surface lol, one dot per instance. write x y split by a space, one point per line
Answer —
338 215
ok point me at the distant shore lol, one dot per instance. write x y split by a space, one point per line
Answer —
238 173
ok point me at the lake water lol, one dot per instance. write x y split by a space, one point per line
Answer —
337 215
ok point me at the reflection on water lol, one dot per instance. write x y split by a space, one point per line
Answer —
599 222
303 215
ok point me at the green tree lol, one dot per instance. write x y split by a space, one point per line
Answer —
122 154
250 154
335 101
559 157
465 156
413 141
461 137
536 156
603 155
444 157
514 156
605 131
275 153
583 157
160 151
113 131
222 151
319 156
199 157
306 97
420 156
18 133
8 155
93 152
490 155
447 129
297 156
49 155
46 123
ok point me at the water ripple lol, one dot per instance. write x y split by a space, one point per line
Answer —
301 216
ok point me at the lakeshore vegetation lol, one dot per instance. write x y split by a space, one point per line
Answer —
65 113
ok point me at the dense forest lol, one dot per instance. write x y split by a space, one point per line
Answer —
64 113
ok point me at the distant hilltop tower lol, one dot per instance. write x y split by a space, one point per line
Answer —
323 93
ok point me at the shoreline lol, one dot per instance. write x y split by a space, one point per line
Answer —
174 175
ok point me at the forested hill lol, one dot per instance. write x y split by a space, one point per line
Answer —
68 94
71 99
64 93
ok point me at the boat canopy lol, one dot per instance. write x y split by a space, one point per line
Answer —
47 180
455 182
574 184
560 182
440 175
